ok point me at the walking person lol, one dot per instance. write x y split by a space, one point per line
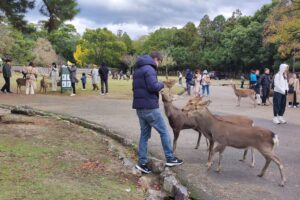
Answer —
54 76
188 80
257 87
265 83
198 78
74 80
293 90
83 80
95 74
280 93
31 76
205 83
252 80
103 72
242 80
146 89
6 70
179 78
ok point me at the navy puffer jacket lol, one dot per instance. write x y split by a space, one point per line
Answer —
145 84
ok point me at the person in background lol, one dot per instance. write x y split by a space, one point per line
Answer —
293 91
146 89
257 87
242 80
54 74
31 76
83 81
198 78
265 83
74 80
205 83
188 80
280 93
252 80
6 70
95 74
179 77
103 72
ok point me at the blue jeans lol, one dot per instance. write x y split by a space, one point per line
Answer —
149 118
205 88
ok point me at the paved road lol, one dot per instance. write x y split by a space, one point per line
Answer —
236 182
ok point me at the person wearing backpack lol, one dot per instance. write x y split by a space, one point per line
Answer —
293 90
280 94
265 83
189 79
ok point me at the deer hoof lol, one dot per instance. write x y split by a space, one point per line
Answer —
208 165
260 175
252 165
242 160
218 170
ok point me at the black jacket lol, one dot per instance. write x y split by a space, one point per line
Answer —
103 72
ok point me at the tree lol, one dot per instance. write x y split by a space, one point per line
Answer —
15 10
58 11
102 46
64 41
81 56
283 28
44 53
128 42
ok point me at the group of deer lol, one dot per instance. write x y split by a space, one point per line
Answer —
43 84
229 130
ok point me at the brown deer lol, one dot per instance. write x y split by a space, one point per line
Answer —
228 134
244 93
20 82
179 120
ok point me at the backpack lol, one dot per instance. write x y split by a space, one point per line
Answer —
291 89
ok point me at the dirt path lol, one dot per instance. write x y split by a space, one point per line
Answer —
237 181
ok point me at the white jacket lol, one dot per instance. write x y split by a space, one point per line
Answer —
280 83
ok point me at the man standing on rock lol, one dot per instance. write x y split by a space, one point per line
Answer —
145 101
6 70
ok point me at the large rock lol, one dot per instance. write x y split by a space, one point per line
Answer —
169 183
180 192
157 166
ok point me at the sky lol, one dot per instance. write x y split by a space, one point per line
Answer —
140 17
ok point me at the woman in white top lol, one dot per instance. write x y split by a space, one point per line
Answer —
54 76
197 83
95 74
31 75
280 93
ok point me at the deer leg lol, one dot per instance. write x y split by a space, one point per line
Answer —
198 141
268 161
221 150
280 166
253 99
176 135
239 101
252 158
210 154
244 156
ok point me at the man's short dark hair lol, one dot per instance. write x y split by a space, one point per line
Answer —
156 55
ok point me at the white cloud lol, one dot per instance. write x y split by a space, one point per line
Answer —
139 17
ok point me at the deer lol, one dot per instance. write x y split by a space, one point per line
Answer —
228 134
179 120
243 93
43 84
20 82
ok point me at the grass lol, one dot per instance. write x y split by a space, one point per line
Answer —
36 164
121 89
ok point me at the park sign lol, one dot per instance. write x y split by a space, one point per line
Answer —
65 79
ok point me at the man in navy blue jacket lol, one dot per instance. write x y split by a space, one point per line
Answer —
146 89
